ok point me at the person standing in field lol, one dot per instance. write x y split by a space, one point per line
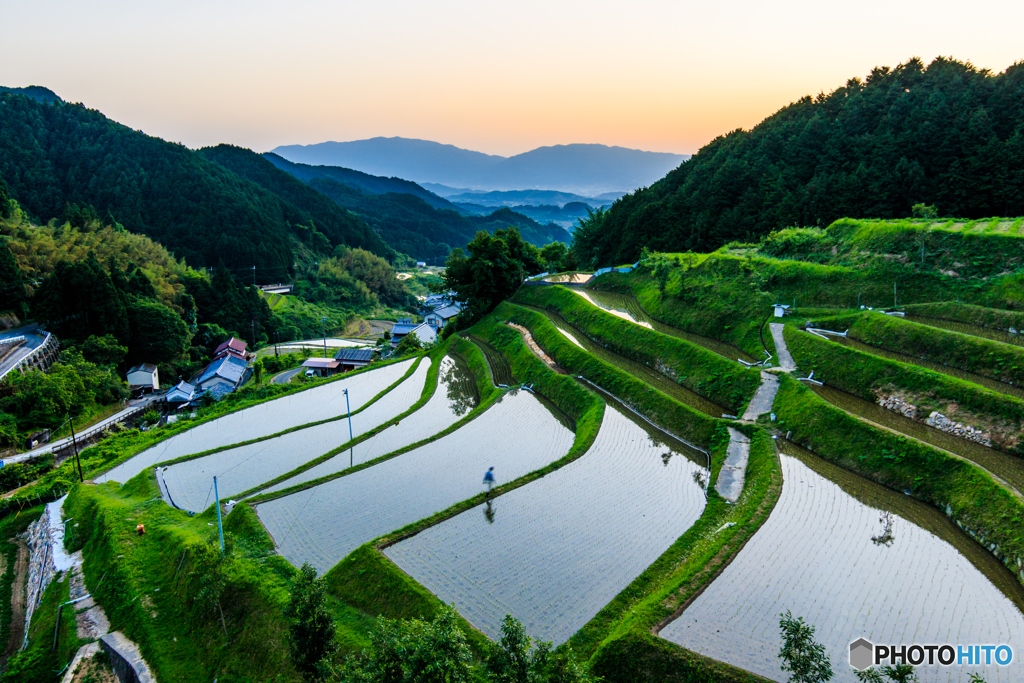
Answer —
489 480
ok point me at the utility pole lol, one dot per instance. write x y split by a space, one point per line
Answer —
74 446
323 323
348 409
220 527
254 276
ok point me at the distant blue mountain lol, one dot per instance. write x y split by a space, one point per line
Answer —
587 170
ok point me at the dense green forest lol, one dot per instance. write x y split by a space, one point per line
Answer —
53 155
947 135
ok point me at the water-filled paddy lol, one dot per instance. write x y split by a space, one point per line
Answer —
187 484
554 552
628 308
823 554
320 403
454 397
570 278
644 373
325 523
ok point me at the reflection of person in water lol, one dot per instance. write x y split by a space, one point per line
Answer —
489 513
489 480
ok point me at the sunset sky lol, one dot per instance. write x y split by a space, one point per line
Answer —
501 78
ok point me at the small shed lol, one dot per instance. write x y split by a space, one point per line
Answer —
421 264
780 310
144 376
323 367
183 392
352 359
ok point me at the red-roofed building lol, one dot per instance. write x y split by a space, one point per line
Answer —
235 347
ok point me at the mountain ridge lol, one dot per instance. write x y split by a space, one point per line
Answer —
581 168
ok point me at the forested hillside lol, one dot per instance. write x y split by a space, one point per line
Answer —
948 135
56 155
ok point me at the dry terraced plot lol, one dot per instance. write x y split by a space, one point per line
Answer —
188 484
815 556
554 552
454 397
319 403
323 524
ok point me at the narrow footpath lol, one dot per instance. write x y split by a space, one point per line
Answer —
733 474
782 351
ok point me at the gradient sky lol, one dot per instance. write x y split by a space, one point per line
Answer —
501 78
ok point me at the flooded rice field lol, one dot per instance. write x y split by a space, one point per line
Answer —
644 373
325 523
554 552
312 405
187 485
628 308
830 553
454 398
1007 467
972 330
987 382
570 278
501 372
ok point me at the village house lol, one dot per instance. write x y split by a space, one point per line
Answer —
233 346
353 359
144 376
222 376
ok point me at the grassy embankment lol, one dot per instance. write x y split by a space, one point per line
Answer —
10 527
1001 362
981 316
868 376
725 382
963 491
39 663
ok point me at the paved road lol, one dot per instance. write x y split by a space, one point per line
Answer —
286 376
60 442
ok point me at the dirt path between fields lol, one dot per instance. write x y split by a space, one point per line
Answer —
18 597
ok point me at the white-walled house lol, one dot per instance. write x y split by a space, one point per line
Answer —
144 376
441 317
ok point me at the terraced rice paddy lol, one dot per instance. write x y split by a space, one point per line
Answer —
313 405
823 554
661 382
322 525
1007 467
501 372
628 308
188 484
554 552
973 330
570 278
987 382
454 397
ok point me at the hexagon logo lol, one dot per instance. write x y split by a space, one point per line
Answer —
862 654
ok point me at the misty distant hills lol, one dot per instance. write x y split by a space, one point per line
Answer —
530 198
587 170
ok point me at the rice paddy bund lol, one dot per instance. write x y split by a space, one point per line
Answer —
188 485
831 558
313 405
554 552
323 524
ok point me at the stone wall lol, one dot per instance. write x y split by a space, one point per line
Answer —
940 421
125 659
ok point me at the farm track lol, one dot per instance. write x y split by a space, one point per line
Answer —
629 308
1007 470
648 375
981 380
824 554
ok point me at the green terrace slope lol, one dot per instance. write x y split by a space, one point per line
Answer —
726 382
870 377
991 318
967 494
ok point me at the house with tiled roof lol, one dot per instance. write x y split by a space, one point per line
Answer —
224 374
144 376
233 346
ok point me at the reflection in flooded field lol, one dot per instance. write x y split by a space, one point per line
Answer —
313 405
831 554
987 382
554 552
570 278
1007 467
628 308
454 397
973 330
323 524
647 374
187 484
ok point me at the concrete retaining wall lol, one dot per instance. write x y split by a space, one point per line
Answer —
125 659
